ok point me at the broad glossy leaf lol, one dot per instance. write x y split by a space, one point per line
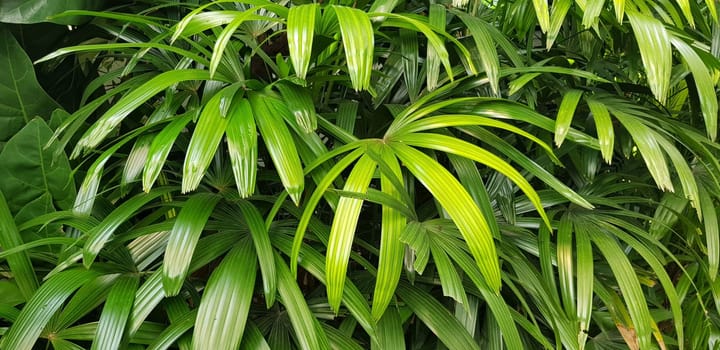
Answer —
655 51
566 263
21 96
585 277
226 301
183 239
101 234
35 11
38 311
279 144
359 42
206 138
343 229
20 264
31 170
113 319
460 207
300 34
308 333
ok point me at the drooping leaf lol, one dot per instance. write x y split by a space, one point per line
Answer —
184 238
655 51
223 310
112 324
206 138
459 205
359 43
300 34
343 229
279 143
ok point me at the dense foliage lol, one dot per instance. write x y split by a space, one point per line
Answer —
359 174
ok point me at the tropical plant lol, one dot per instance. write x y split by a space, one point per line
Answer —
290 174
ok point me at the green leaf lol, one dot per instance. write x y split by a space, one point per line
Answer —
542 12
263 249
565 114
35 11
392 250
226 301
21 96
313 201
428 309
390 332
307 331
279 144
560 9
206 138
38 311
31 170
300 103
604 127
646 140
593 9
460 207
300 34
242 141
132 100
20 264
655 51
183 239
101 234
627 280
485 46
703 83
113 319
465 149
224 37
172 333
160 149
343 230
359 42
